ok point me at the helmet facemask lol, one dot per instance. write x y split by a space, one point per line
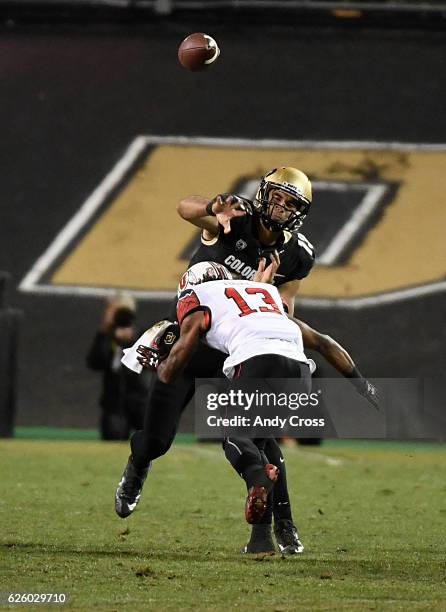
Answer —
267 205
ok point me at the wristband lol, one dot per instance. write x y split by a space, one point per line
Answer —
209 210
355 373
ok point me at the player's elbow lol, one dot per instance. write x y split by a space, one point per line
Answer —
166 374
324 343
183 209
166 378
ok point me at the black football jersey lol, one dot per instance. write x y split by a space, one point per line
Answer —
240 251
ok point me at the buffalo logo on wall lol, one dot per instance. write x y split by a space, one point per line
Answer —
376 220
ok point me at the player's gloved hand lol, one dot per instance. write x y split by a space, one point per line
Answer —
151 356
368 390
226 206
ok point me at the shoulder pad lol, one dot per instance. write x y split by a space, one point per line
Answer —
188 302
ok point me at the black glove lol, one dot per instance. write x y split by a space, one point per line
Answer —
151 356
368 390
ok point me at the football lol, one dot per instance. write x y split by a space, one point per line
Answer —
198 51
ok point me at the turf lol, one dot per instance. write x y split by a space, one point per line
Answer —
372 520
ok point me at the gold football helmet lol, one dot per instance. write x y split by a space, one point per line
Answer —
294 183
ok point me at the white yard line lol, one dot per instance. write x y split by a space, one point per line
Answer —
317 457
216 451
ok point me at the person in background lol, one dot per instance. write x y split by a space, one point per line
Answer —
124 393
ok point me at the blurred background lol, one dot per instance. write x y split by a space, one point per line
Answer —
102 132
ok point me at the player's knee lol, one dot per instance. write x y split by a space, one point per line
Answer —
146 448
157 447
233 448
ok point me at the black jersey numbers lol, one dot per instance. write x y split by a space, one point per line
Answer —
245 308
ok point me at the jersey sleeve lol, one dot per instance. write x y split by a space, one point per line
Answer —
188 303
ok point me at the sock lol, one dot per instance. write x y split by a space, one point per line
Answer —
281 504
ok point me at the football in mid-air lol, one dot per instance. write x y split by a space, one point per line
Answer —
198 51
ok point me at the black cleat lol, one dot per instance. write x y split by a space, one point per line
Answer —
287 537
260 542
129 489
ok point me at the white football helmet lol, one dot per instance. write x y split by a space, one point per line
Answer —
203 272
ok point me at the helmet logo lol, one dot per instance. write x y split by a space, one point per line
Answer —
183 281
202 272
170 338
293 188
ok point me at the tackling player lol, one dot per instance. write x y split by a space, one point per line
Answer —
247 321
235 233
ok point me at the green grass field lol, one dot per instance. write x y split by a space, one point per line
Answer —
372 518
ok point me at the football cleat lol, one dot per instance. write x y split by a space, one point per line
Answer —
129 489
260 542
256 502
287 537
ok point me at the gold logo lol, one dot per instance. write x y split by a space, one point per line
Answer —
170 338
377 219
